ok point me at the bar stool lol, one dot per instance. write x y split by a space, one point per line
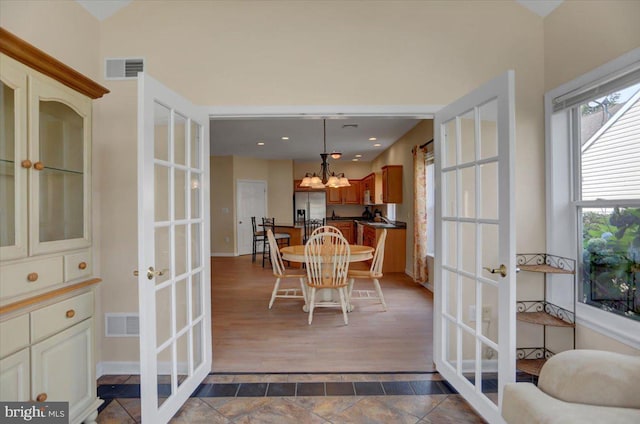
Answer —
258 237
283 239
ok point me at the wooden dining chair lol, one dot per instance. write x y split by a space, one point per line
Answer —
281 273
326 256
326 229
374 274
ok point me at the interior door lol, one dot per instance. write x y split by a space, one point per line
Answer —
173 249
251 201
474 325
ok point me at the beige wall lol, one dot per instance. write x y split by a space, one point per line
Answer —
223 205
578 37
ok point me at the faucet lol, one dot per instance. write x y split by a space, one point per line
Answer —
385 220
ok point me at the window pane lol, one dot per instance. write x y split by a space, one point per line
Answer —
611 259
610 145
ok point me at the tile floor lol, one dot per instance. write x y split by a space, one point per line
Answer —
299 398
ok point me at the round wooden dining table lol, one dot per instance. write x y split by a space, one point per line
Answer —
359 253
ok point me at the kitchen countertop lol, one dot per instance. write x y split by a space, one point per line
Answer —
371 223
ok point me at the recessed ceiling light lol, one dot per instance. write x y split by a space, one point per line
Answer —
354 160
372 139
285 138
358 156
377 145
260 143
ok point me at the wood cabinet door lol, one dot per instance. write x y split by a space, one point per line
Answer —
334 196
351 195
63 368
14 377
392 184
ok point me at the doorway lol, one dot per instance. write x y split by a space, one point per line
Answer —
251 202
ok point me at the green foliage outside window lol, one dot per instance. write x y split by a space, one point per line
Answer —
611 260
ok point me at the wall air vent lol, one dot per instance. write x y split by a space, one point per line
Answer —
123 68
121 325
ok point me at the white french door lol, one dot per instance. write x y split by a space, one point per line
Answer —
251 201
173 249
474 325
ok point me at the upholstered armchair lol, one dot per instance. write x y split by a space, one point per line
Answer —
578 386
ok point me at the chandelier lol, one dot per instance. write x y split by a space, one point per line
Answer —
325 179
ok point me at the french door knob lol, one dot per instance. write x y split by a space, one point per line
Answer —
502 270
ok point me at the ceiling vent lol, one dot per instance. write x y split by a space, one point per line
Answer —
121 325
120 69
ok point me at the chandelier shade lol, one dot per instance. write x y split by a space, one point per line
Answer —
325 178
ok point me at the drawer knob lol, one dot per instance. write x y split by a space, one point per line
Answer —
26 163
32 277
70 313
38 166
82 265
41 397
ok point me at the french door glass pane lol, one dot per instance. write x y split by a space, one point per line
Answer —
161 116
180 139
61 181
467 137
488 130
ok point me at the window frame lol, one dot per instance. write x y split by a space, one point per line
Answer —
563 227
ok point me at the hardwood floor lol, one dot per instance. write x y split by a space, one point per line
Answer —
248 337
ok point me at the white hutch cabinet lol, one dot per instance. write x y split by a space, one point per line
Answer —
47 281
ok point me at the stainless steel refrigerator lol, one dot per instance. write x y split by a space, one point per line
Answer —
314 205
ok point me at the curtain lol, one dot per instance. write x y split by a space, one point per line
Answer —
420 269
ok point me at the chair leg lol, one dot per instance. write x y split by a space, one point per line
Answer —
312 303
376 284
303 286
343 304
253 251
276 286
265 252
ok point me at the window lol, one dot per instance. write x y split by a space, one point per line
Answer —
593 192
609 183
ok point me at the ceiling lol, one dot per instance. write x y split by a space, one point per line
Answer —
350 136
102 9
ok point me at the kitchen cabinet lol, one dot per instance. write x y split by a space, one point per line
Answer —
368 185
334 196
395 250
46 297
345 195
392 184
351 195
347 229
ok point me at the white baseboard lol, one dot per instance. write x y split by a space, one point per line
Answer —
133 368
117 368
223 254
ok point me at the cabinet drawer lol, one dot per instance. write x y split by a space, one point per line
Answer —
77 265
16 278
14 334
54 318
